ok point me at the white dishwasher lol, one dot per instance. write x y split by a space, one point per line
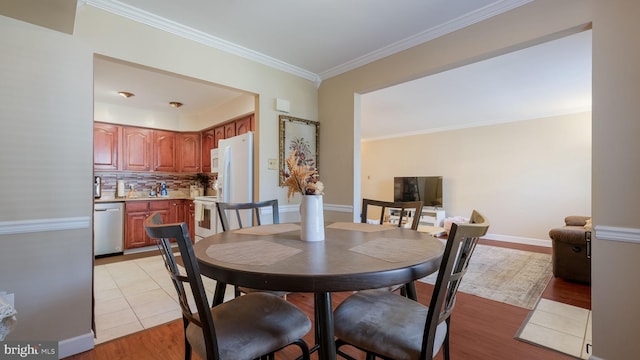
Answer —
108 228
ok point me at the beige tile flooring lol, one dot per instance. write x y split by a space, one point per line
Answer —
559 326
135 295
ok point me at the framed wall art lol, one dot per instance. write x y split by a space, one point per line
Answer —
298 135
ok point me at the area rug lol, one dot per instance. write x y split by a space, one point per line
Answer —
514 277
560 327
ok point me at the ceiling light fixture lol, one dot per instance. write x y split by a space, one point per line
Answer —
125 94
175 104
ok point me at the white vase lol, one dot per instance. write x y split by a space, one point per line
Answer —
311 218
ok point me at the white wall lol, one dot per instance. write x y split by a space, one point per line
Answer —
46 241
525 176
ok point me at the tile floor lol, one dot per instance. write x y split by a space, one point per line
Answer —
135 295
559 326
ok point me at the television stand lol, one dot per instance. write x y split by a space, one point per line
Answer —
431 216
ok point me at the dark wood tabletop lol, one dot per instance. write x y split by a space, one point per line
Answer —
352 257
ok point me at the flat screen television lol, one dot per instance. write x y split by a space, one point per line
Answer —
427 189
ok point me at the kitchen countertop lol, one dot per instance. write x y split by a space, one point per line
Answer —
173 195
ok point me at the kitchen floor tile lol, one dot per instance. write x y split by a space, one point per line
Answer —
137 294
115 319
108 294
161 318
111 305
152 303
116 332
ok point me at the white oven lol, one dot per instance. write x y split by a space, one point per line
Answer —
206 217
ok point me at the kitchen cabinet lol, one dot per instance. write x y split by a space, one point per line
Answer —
208 143
230 130
136 148
165 151
190 146
131 148
244 125
136 212
218 133
106 142
190 212
233 128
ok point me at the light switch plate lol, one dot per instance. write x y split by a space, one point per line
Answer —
273 164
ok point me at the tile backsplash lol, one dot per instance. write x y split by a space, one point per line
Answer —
144 182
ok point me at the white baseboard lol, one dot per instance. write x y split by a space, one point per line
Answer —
75 345
518 240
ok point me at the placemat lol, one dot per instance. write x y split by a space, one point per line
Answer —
255 252
391 249
360 226
269 229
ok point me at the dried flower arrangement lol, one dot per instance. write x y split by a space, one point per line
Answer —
303 175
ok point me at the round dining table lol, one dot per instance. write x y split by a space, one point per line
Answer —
353 256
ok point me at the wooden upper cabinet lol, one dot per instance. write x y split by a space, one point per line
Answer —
233 128
244 125
190 152
230 130
208 143
165 146
136 148
218 134
106 142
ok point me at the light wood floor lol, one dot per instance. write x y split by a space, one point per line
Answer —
481 328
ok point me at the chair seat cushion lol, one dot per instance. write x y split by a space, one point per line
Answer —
385 323
252 325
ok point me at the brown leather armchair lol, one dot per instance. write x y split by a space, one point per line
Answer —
571 254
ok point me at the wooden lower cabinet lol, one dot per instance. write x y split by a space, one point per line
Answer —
190 211
136 212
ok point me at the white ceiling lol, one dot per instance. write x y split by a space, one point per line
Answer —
317 40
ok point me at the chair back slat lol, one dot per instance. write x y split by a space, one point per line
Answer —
253 207
405 208
460 245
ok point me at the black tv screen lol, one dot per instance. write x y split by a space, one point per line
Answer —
427 189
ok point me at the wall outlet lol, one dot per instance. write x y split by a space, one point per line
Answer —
273 164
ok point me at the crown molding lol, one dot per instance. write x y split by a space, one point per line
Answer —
144 17
147 18
463 21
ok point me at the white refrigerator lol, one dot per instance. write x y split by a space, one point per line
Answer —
235 173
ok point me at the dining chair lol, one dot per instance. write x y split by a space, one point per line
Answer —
389 326
405 208
249 327
252 209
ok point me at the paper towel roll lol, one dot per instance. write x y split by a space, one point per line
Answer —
120 189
